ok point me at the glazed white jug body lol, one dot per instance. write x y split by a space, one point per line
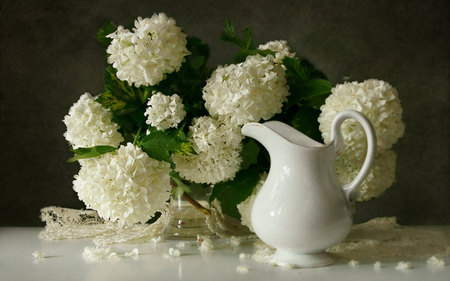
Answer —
302 209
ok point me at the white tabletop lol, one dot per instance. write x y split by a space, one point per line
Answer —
64 261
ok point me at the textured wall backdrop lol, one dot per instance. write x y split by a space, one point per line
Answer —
49 57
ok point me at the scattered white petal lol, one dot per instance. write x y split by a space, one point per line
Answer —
435 261
235 241
38 255
264 256
174 252
156 240
134 252
99 253
353 263
181 245
377 265
286 265
242 269
403 266
114 256
245 256
206 245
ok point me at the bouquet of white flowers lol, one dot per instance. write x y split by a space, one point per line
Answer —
164 120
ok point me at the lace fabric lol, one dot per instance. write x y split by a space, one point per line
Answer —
378 238
64 223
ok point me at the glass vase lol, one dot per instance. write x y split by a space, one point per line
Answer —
186 221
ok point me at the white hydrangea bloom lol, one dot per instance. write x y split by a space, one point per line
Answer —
124 185
380 178
89 124
246 92
280 47
155 48
164 112
378 101
217 146
245 207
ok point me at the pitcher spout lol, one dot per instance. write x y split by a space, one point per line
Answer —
274 133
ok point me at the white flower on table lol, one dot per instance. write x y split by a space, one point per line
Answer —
164 112
89 124
156 47
125 185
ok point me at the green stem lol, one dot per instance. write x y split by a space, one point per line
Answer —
188 198
137 136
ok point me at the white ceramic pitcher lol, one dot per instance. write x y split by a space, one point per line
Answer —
302 209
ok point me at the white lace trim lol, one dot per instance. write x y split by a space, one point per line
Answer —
383 237
64 223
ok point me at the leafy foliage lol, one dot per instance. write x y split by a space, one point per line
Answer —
229 35
233 192
89 152
161 144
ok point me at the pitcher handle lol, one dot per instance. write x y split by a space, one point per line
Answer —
351 188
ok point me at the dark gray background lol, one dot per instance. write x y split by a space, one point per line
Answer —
49 57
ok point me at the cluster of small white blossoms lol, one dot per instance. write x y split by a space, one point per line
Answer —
375 99
217 146
245 207
89 124
379 102
155 48
164 112
280 48
246 92
380 178
125 185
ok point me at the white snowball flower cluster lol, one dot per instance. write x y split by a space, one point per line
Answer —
378 101
245 207
155 48
89 124
217 146
246 92
281 49
164 112
125 185
380 178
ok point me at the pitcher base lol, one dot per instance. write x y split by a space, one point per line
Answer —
302 260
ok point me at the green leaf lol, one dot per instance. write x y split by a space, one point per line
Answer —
305 120
244 53
233 192
315 90
89 152
197 62
301 70
126 102
248 38
250 154
229 35
107 29
159 145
